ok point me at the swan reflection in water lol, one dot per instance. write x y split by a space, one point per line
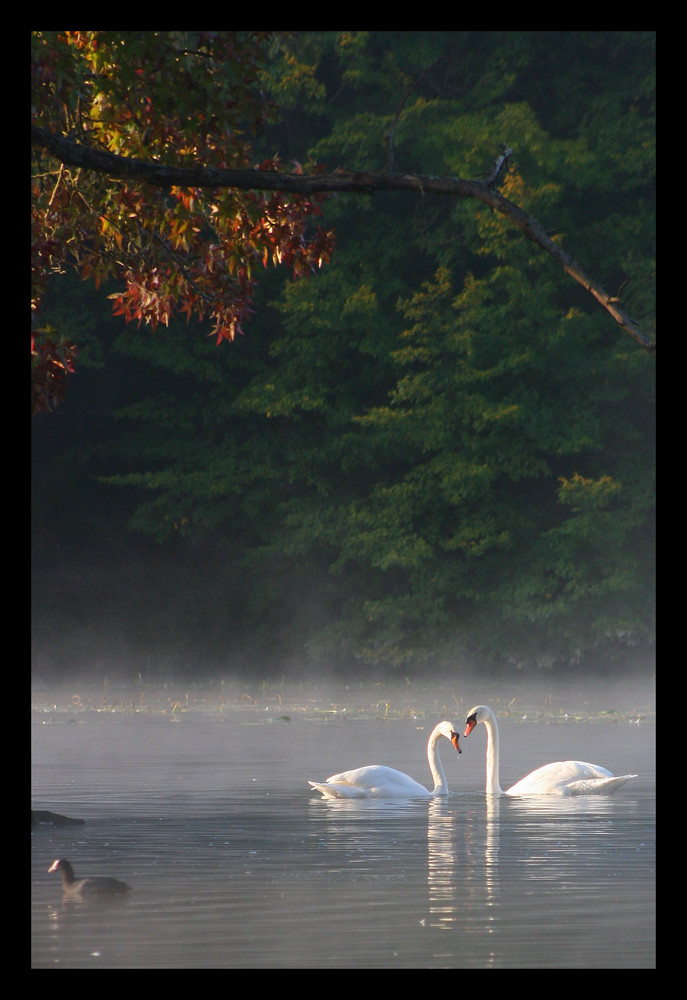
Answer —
466 865
462 862
462 853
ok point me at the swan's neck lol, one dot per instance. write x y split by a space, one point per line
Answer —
435 766
493 786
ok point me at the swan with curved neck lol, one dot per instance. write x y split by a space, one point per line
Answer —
378 781
564 777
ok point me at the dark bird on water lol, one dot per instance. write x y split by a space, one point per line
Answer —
95 885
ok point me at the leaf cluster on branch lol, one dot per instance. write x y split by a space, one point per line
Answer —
106 102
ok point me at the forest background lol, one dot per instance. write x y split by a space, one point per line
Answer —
436 455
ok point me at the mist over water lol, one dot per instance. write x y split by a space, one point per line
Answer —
198 798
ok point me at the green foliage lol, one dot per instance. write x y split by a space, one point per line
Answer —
437 452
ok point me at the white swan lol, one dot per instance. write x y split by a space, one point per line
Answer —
377 781
565 777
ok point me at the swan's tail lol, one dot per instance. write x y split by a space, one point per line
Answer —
330 791
598 786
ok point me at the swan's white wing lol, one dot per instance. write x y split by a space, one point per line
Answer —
372 781
569 777
598 786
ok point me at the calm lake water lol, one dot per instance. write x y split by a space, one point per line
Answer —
200 802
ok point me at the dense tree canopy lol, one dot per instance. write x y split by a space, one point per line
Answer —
438 451
144 193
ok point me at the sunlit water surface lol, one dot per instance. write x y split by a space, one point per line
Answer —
235 863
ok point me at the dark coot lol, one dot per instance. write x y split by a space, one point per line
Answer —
81 887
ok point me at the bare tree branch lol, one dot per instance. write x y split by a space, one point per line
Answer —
353 181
